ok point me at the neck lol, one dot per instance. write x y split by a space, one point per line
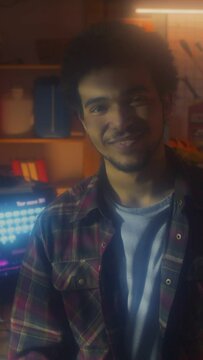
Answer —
141 188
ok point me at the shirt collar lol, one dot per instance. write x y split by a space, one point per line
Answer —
90 192
89 197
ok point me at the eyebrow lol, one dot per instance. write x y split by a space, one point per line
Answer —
94 100
133 90
136 89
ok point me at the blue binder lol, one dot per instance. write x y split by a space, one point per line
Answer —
52 119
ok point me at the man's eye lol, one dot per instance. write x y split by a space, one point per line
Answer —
98 109
138 101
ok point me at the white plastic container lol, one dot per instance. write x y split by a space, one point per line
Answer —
17 113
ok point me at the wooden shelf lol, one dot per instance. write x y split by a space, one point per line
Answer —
30 67
74 137
80 162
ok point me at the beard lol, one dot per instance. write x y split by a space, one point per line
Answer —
142 161
129 168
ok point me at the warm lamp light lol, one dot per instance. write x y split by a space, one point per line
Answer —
168 11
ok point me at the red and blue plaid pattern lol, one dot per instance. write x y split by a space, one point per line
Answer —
60 298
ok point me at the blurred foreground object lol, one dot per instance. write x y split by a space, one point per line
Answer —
187 151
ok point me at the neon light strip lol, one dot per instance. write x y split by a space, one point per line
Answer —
16 267
168 11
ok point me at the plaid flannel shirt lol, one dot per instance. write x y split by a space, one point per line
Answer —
67 305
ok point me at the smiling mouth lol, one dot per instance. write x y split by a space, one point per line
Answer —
126 140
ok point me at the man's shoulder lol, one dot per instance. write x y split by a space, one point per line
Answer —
82 195
191 173
195 181
184 164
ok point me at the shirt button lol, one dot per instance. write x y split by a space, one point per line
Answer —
81 282
178 236
168 281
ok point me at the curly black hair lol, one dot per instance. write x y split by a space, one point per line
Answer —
113 44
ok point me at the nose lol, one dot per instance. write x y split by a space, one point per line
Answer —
120 117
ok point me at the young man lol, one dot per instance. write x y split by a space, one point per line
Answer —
114 267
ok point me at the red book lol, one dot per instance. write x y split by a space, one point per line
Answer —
16 168
41 170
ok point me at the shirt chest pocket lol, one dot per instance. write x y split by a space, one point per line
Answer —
78 282
76 275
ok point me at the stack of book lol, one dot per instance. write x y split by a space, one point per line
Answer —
30 170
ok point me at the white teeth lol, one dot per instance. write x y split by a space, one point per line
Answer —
126 142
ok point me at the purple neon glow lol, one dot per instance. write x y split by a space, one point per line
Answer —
3 263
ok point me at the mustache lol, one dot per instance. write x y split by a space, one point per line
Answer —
129 133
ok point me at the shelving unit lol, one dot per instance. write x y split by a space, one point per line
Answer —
74 137
66 158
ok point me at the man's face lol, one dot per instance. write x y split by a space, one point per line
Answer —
123 116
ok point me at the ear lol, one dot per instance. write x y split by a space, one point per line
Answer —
81 119
77 116
84 126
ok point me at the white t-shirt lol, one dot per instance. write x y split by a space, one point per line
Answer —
143 233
